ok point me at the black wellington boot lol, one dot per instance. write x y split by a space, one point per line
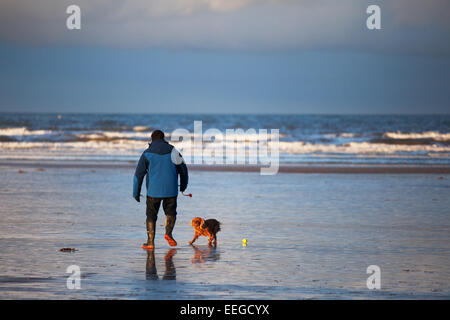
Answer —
170 223
150 244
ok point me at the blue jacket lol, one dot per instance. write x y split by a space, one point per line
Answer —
162 167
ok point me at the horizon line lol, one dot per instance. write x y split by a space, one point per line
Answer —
225 113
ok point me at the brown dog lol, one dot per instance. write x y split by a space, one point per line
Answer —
207 228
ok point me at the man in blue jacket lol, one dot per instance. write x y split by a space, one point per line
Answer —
162 164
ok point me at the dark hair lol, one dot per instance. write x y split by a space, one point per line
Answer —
157 134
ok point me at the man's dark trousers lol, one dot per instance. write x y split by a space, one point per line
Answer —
153 204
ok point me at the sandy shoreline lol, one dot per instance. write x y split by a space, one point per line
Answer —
285 168
309 236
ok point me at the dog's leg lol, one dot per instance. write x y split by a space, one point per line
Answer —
210 239
195 238
215 240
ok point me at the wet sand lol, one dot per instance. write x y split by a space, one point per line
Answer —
310 236
284 168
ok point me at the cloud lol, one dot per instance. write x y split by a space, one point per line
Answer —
412 26
422 13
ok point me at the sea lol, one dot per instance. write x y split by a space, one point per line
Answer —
422 140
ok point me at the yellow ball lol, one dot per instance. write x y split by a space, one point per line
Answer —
244 242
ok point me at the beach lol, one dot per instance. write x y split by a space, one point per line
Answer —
309 236
317 133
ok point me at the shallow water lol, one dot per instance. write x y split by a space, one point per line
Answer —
309 236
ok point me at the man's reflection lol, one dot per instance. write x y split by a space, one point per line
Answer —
150 267
170 273
204 254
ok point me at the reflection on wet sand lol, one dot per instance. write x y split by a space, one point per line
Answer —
170 273
202 255
150 267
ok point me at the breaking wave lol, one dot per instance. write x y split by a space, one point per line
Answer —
409 139
21 143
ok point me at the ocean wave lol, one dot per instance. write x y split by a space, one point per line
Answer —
23 131
142 129
433 135
112 135
348 135
28 143
138 133
297 147
358 148
406 141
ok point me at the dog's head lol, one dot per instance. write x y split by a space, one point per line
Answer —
197 223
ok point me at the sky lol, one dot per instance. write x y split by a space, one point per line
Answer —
225 56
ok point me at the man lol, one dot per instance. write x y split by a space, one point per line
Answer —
162 164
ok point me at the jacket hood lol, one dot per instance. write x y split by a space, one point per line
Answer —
160 146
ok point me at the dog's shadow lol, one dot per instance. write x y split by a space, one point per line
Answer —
204 254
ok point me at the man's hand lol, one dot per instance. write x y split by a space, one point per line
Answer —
137 199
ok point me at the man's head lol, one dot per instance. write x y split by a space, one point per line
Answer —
157 134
